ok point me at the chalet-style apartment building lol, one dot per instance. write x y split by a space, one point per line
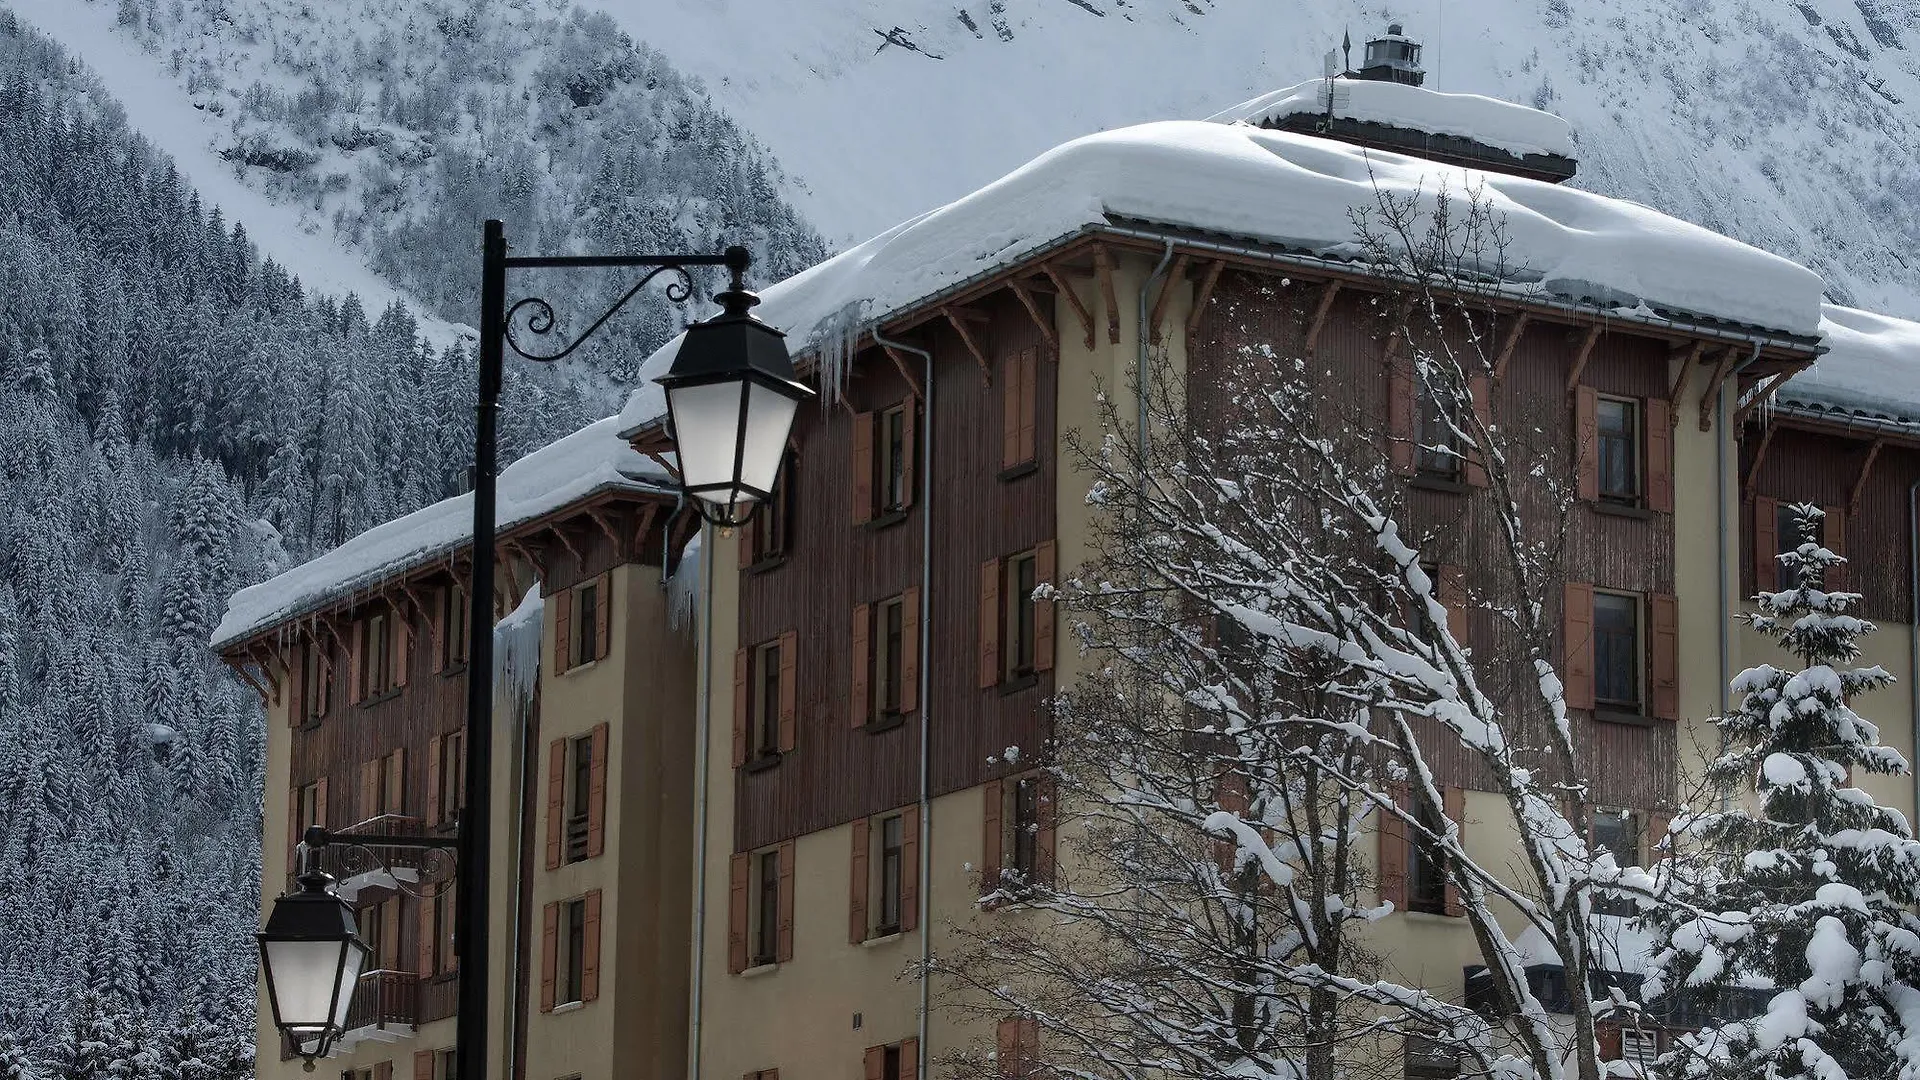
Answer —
724 868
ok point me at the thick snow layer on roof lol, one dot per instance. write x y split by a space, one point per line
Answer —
589 460
1503 125
1285 189
1872 366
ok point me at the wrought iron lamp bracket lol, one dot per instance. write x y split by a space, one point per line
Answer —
540 319
364 855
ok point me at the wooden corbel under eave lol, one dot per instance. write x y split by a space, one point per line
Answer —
266 670
1759 459
1694 353
1073 300
958 319
240 668
1103 267
1860 483
1511 343
1327 292
1585 354
599 517
1772 386
1203 294
900 364
1025 295
560 532
643 524
1710 396
1173 278
426 615
664 464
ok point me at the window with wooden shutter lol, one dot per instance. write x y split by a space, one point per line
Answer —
1766 544
1480 393
860 703
893 458
992 838
549 954
739 874
1576 642
562 630
1659 444
742 700
369 789
909 1059
785 952
1402 401
1043 574
1665 660
556 800
435 747
401 643
789 690
859 883
423 1064
603 615
862 468
1455 808
597 792
394 793
989 624
1020 410
590 947
1586 431
1392 835
356 690
383 1070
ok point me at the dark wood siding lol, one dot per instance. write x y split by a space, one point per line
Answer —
837 773
1628 764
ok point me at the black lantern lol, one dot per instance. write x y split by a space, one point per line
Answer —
731 399
313 957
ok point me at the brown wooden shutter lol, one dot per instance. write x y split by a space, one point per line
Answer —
1766 544
1393 850
369 794
549 954
1007 1049
1451 591
910 868
1659 456
1834 539
1029 402
562 630
862 467
859 699
909 449
909 1059
990 623
742 706
590 952
1657 825
1401 402
749 545
597 793
1666 656
423 1064
355 641
1454 804
1010 413
784 952
297 685
1576 638
1586 432
789 689
739 874
859 881
1045 834
383 1070
1043 573
603 616
320 810
991 835
556 799
293 829
401 641
910 650
448 935
397 781
1029 1046
390 933
424 930
435 812
1480 393
437 627
876 1063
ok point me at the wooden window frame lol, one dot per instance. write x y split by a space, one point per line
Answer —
891 1061
889 641
1638 647
1636 440
775 659
570 982
1002 664
376 656
1020 618
579 797
766 915
316 685
877 461
769 533
765 726
1444 466
1426 861
584 625
454 618
890 875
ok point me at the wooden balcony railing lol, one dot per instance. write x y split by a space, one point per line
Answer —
385 999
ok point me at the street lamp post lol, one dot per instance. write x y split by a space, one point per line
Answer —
731 395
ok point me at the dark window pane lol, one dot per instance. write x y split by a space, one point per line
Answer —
1026 826
890 635
576 947
1427 878
586 607
768 706
769 935
1616 650
890 874
1618 450
1433 436
1021 650
894 460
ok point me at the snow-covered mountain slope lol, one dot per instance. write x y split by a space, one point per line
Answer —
1795 127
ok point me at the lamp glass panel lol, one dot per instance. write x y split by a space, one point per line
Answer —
706 423
769 421
303 974
349 981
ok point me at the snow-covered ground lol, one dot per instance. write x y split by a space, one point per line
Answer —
157 106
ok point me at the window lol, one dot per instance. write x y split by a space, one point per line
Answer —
891 869
379 926
895 472
579 796
1790 532
1433 436
766 700
445 1064
1618 432
1616 832
383 785
890 1063
586 622
771 527
453 627
357 1074
1025 862
316 688
1616 651
1020 620
766 937
438 925
311 811
1019 413
888 645
451 783
1427 871
376 656
573 952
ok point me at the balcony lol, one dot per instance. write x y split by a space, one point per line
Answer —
385 1008
385 868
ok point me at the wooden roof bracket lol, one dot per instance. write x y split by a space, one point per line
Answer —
561 532
1173 278
1327 292
1694 353
1711 395
1203 294
900 362
1073 299
267 671
958 320
1585 354
665 464
683 529
1025 295
1860 483
1511 343
1103 266
1775 381
240 668
644 524
420 606
334 632
1759 458
599 517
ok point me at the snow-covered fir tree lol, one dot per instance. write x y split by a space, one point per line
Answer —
1804 885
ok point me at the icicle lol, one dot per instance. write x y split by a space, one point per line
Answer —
516 649
683 589
837 337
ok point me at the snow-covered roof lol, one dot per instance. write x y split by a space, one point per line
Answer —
1871 368
1289 190
1503 125
588 461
